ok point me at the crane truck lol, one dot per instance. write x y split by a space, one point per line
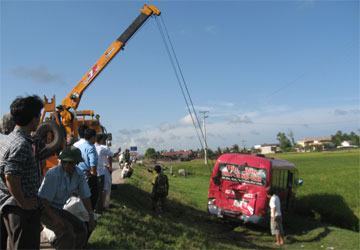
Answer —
66 115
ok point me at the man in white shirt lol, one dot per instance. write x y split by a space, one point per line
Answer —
104 169
275 217
81 132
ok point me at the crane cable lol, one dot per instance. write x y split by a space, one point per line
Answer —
162 33
183 79
182 84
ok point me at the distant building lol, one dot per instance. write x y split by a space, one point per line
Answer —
315 143
268 148
183 155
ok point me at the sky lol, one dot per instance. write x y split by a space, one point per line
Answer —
258 67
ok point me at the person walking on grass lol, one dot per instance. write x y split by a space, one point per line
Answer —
160 190
275 217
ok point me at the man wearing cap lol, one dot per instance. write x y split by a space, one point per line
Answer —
59 184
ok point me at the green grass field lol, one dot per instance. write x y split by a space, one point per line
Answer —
326 215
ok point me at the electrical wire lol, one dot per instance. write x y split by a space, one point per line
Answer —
183 79
182 84
178 79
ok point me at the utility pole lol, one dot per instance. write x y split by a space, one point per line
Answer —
204 129
243 143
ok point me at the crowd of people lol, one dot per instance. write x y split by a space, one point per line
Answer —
31 201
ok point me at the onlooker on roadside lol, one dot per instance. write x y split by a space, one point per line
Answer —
160 190
127 156
60 183
20 176
275 217
108 177
7 125
121 159
125 172
104 156
88 166
81 131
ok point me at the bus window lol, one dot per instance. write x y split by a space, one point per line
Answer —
290 180
243 173
284 179
275 179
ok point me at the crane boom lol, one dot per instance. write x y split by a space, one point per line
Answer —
72 100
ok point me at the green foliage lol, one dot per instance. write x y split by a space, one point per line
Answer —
330 185
235 148
218 152
150 153
339 137
285 143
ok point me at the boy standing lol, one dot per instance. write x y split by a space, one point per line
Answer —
160 190
276 218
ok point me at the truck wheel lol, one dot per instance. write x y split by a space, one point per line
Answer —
46 149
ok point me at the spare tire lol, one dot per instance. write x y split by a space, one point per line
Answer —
44 149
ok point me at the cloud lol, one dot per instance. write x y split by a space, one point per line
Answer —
203 108
211 29
142 141
38 74
186 120
129 131
165 127
158 140
341 112
265 124
238 119
227 104
174 137
254 132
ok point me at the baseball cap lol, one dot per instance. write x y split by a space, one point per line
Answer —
71 154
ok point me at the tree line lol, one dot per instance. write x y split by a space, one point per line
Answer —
287 143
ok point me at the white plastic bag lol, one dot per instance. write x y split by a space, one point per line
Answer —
47 235
75 206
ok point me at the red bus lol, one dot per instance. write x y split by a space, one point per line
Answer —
239 184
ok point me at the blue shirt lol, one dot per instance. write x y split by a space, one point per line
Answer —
89 155
58 186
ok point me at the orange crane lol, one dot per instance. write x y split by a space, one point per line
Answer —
66 114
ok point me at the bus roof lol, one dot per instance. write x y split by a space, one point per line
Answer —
281 164
237 158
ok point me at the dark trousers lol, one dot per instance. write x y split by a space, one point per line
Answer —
100 185
93 185
75 234
3 234
23 227
158 202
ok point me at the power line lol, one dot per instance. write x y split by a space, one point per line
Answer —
179 82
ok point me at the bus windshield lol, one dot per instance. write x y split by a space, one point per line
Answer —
243 174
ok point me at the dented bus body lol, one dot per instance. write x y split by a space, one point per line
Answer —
239 184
